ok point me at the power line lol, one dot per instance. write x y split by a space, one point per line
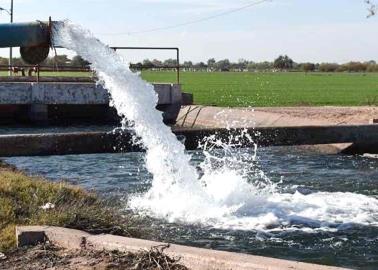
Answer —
254 3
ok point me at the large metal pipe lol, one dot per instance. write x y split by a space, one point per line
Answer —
31 34
33 38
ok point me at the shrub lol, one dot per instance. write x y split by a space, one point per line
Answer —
328 67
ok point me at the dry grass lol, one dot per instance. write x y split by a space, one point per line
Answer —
46 256
22 196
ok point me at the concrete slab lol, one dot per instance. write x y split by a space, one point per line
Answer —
217 117
66 238
15 96
195 116
73 93
193 258
66 97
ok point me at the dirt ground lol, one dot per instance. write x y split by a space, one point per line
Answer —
218 117
49 257
335 115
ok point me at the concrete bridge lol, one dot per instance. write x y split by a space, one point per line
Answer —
45 101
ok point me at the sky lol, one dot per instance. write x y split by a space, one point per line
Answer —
306 30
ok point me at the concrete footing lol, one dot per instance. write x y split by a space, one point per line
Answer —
193 258
39 113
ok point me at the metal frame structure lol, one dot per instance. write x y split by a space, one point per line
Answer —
47 68
157 48
38 68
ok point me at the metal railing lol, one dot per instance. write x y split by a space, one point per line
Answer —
29 70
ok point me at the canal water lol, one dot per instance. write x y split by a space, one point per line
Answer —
299 222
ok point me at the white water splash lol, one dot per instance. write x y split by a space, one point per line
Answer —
230 193
134 100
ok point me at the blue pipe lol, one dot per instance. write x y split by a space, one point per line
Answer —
24 34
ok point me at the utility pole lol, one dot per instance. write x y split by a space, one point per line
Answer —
11 49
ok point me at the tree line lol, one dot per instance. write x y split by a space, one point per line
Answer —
59 60
281 63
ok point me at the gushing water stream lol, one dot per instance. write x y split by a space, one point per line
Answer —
230 193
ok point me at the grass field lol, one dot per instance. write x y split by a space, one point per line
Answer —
269 89
275 89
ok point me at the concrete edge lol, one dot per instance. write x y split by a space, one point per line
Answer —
193 258
363 137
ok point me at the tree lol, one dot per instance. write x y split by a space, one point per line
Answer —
372 62
372 68
328 67
283 62
308 67
223 65
137 66
78 61
355 67
211 63
157 63
188 64
252 66
242 64
170 62
264 66
3 61
147 63
372 8
62 60
58 60
200 66
18 61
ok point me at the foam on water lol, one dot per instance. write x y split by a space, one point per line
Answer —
227 191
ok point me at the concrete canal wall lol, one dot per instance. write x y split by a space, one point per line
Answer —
46 101
363 139
191 257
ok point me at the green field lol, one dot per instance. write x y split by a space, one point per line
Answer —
269 89
276 89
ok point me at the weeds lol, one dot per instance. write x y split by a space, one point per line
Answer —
47 256
22 198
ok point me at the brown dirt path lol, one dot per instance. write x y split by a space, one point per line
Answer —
217 117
